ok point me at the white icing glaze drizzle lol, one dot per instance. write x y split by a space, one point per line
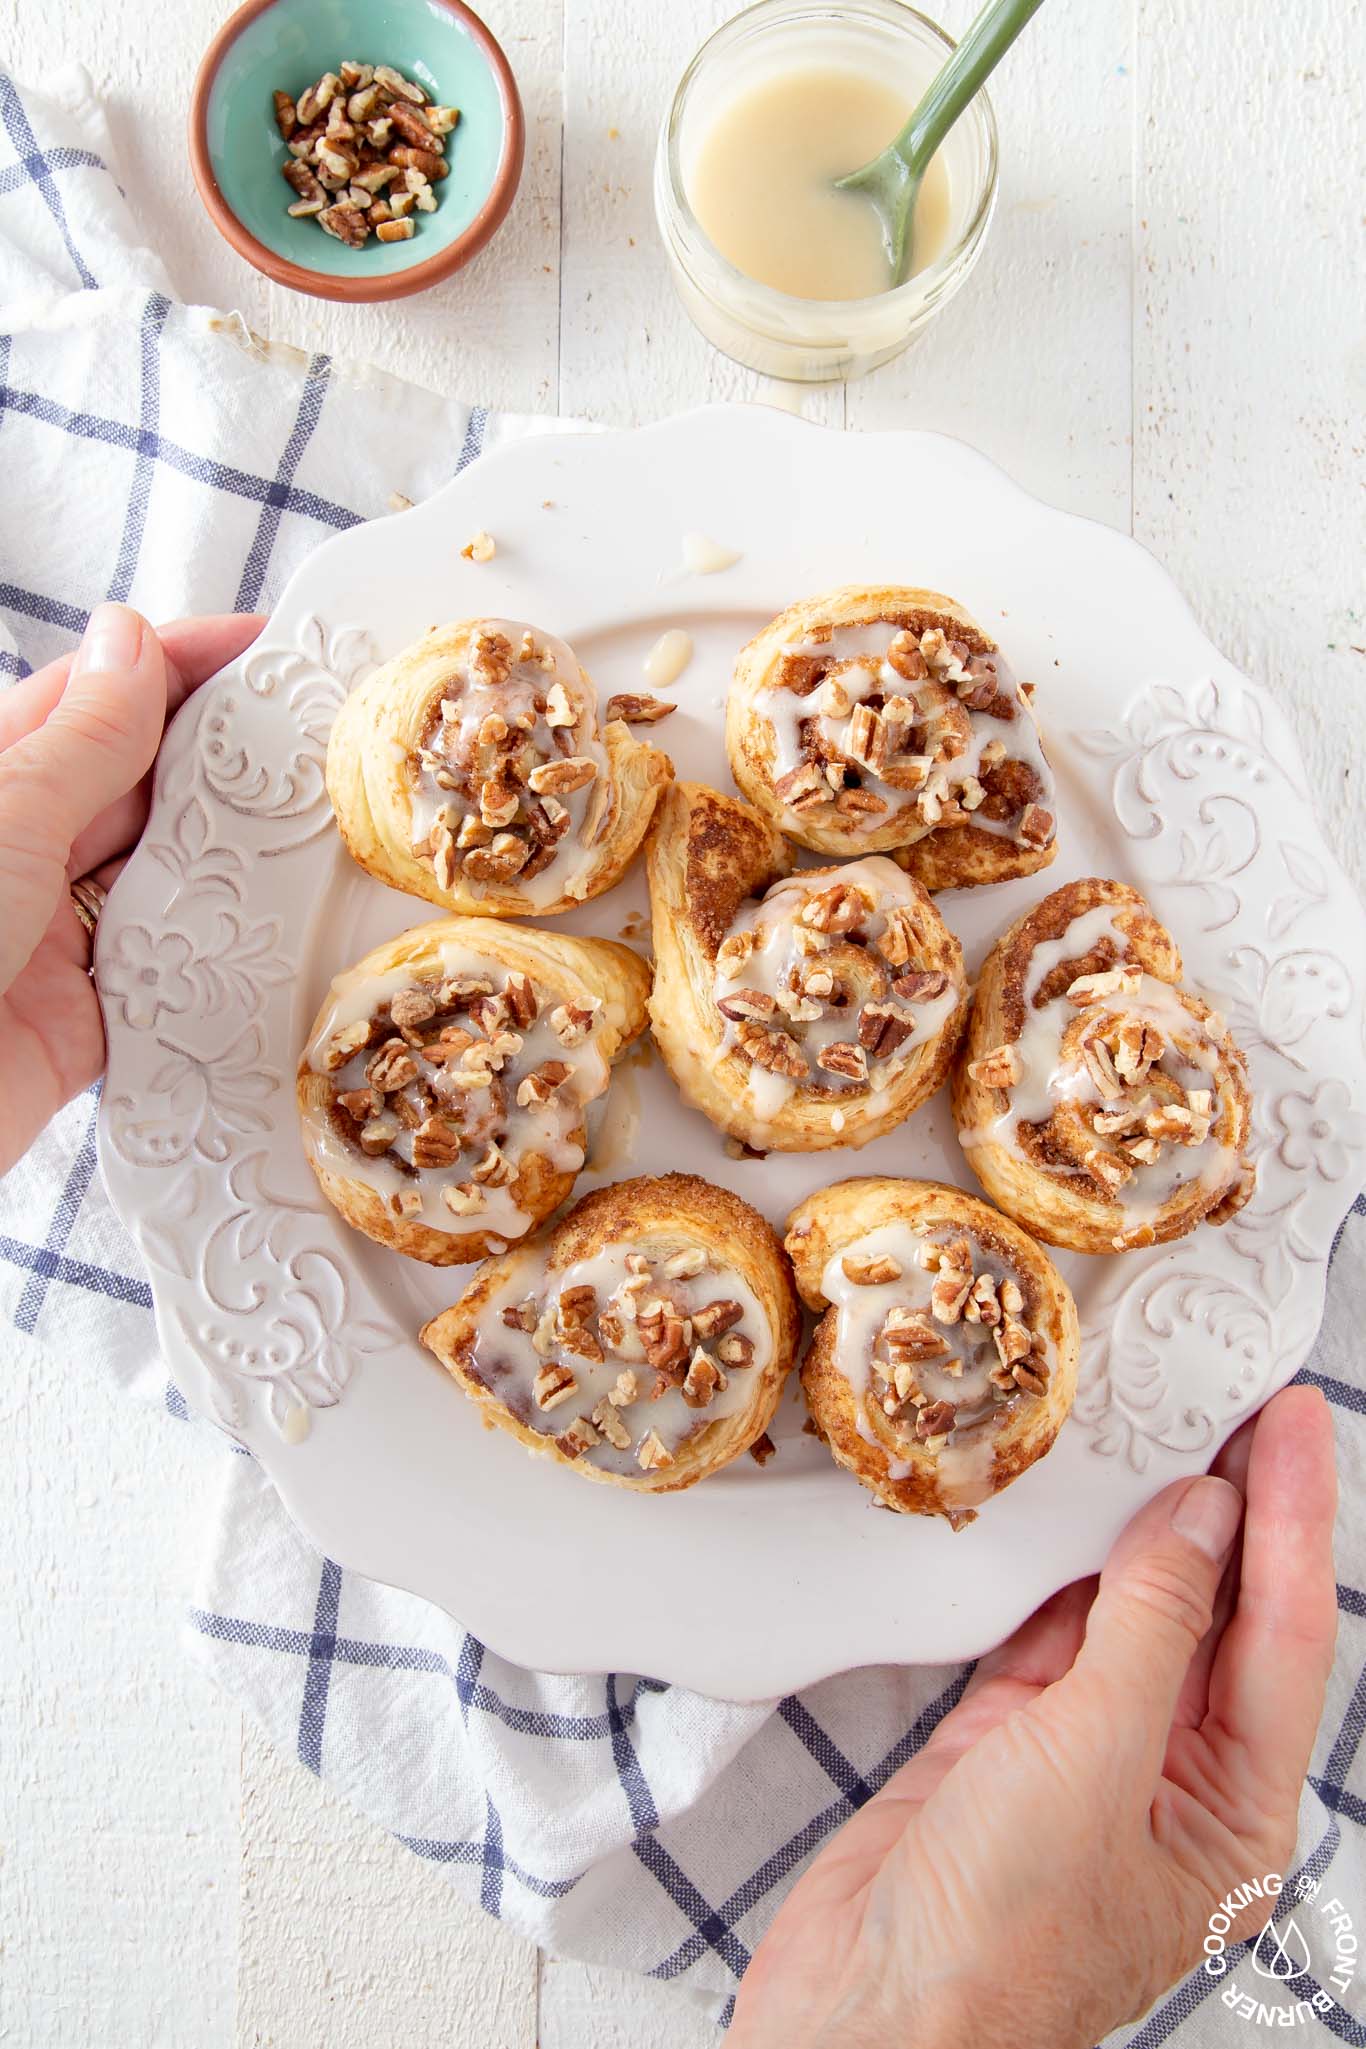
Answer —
964 1460
668 658
554 1128
939 750
508 1359
512 676
1049 1078
777 969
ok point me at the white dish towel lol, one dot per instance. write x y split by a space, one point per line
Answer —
169 458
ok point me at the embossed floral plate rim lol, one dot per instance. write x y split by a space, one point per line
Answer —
1175 772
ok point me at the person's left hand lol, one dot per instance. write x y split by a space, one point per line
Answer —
77 742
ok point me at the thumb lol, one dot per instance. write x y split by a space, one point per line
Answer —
1155 1603
97 742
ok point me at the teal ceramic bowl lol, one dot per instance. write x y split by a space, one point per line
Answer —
236 152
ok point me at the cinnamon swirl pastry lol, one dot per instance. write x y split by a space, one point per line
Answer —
445 1080
471 770
946 1359
797 1011
1100 1103
877 720
643 1341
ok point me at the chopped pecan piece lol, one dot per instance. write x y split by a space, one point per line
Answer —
921 986
559 778
840 908
578 1438
999 1069
521 1315
436 1143
344 1045
949 1293
842 1056
519 994
653 1453
983 1304
910 1334
870 1269
464 1198
361 1103
702 1380
775 1050
1107 1167
802 788
542 1082
344 222
411 1008
554 1383
683 1265
1036 825
734 951
393 1067
736 1351
1101 1069
377 1135
637 709
607 1420
881 1029
715 1317
572 1022
746 1003
935 1421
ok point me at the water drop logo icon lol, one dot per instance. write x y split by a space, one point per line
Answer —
1280 1954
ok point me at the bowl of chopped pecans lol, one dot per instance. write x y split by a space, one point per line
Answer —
355 151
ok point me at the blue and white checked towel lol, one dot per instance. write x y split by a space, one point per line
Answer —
163 455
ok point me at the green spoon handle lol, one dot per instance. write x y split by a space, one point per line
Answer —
976 57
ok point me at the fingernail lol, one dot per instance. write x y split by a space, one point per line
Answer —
112 639
1208 1515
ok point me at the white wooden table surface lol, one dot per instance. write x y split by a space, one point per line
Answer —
1168 333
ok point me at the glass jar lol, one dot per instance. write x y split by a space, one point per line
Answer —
815 340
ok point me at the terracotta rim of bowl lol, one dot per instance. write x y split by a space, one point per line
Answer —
395 284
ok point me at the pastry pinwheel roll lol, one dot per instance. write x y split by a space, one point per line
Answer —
472 770
945 1361
1099 1102
795 1010
644 1340
877 720
444 1084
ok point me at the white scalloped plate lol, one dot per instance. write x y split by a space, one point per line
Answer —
297 1335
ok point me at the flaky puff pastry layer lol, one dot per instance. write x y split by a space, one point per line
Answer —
948 848
707 855
930 1477
372 759
563 969
1047 1120
663 1216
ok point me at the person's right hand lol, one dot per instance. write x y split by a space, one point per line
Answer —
1047 1865
77 742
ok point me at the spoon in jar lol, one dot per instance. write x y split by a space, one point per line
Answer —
892 180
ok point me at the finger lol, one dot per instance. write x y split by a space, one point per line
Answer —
1193 1702
195 649
1155 1603
1267 1684
94 746
1044 1646
204 646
